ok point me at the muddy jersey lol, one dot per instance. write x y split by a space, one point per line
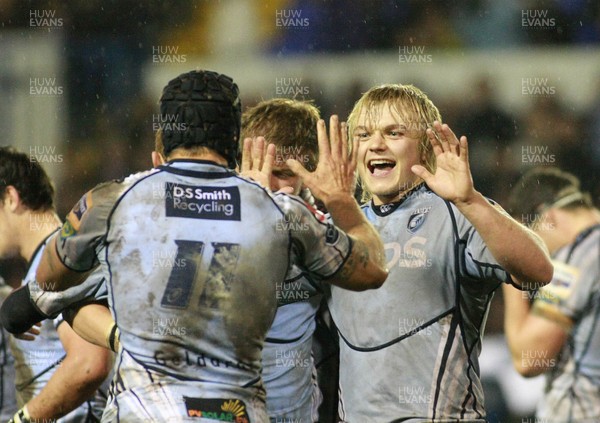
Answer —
8 400
194 254
572 391
52 303
409 350
288 365
37 360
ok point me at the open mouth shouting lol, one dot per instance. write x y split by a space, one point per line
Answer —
380 168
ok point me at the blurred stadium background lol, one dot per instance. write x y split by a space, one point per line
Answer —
80 81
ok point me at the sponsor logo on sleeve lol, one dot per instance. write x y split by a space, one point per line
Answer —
73 221
202 202
218 409
562 285
332 235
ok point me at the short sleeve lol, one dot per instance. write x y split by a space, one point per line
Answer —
570 291
317 245
51 304
85 228
479 263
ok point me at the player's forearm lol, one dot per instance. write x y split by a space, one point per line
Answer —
366 266
73 382
533 345
518 250
516 310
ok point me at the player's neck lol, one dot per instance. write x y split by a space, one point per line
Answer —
35 227
380 200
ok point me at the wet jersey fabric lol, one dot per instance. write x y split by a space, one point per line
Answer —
409 350
289 371
193 254
572 391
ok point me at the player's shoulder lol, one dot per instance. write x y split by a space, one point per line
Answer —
116 187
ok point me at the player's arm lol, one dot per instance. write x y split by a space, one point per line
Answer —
534 339
80 374
333 182
365 268
52 274
94 323
517 249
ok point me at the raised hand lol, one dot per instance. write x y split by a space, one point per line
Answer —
452 179
336 170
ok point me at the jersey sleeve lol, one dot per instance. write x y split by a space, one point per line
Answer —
51 304
569 293
476 258
85 228
317 245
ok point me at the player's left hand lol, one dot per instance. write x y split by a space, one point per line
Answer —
452 179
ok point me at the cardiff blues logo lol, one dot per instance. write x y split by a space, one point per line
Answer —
415 221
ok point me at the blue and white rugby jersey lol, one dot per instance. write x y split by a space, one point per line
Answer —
409 350
37 360
8 399
572 391
289 371
194 254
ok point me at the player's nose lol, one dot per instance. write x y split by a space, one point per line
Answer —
377 141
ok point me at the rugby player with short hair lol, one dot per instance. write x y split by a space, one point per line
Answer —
192 328
559 333
289 371
58 375
409 350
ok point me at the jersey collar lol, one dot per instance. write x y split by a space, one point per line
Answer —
389 208
197 168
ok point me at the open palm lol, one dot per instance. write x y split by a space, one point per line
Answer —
452 179
335 173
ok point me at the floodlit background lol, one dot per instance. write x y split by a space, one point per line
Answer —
80 80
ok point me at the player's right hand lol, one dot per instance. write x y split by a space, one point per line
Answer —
335 174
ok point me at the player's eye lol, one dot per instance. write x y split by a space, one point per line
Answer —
396 132
361 135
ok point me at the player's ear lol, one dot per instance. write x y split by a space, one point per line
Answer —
12 199
157 159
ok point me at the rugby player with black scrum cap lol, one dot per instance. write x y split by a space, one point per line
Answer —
228 256
558 334
409 350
